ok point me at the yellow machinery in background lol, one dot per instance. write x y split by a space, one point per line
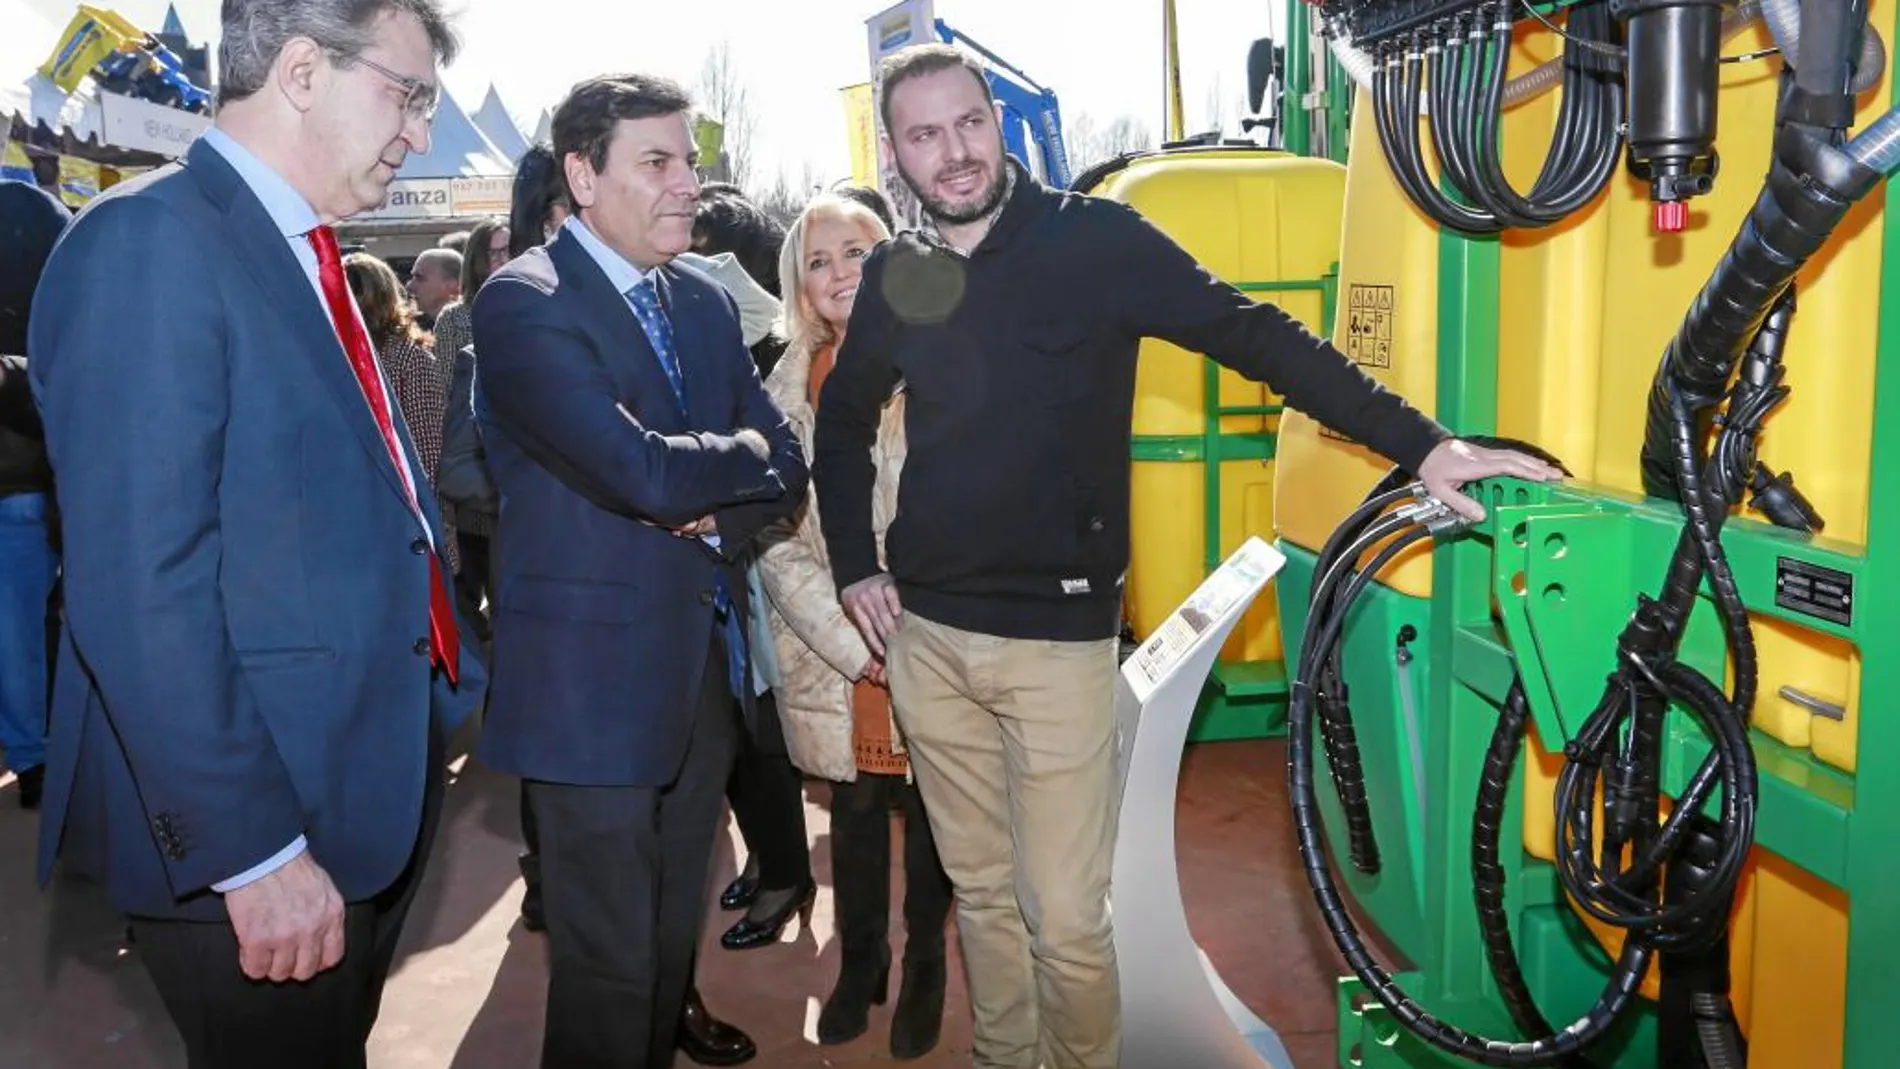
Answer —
1204 438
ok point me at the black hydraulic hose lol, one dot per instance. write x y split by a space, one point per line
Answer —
1487 871
1809 189
1575 170
1340 741
1447 62
1383 105
1395 83
1461 73
1550 1049
1704 526
1608 896
1334 709
1715 1026
1830 45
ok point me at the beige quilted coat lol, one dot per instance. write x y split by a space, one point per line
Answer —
820 651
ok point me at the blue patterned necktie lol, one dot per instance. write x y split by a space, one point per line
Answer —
659 332
646 308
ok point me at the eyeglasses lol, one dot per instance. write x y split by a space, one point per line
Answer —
420 99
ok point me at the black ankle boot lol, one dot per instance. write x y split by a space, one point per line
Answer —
862 983
919 1017
532 917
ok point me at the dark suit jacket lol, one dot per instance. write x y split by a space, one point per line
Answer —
246 586
604 618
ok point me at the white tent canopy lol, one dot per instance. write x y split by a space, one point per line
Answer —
493 120
457 149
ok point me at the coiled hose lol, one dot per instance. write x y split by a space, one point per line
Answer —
1335 592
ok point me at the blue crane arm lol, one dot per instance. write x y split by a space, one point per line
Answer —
1031 113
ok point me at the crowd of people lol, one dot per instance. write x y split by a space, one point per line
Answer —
689 510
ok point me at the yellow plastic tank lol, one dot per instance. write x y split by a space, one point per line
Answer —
1264 221
1387 322
1588 307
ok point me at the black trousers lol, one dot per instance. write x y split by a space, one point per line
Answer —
623 876
230 1021
767 802
769 805
861 872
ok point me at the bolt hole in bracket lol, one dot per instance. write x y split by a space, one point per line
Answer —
1562 586
1565 573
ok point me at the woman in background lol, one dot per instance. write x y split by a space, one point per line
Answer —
472 513
833 699
406 352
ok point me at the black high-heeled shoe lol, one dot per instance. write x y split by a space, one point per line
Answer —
749 934
742 890
707 1039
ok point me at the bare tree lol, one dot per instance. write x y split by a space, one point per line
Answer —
1221 108
1126 134
725 98
784 199
1089 145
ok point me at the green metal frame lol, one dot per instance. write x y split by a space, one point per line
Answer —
1334 102
1243 699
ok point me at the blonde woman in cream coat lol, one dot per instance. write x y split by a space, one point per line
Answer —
833 703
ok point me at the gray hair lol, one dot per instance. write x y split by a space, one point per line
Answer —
448 260
254 33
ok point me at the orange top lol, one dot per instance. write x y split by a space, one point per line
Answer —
872 736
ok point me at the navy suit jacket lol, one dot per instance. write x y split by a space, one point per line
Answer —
243 656
605 619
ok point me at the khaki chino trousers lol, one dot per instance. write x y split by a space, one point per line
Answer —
1013 746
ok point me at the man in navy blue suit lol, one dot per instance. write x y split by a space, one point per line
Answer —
258 657
637 458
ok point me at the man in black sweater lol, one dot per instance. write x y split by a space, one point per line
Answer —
1014 320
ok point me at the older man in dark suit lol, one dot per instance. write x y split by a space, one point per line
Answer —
259 656
637 457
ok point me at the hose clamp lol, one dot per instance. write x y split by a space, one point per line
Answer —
1433 515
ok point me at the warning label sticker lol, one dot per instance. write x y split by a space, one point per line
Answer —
1369 314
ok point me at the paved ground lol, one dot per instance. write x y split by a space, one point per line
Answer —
468 991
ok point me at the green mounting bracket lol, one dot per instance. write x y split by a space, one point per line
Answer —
1565 567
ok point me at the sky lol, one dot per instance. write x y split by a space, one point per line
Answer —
1101 57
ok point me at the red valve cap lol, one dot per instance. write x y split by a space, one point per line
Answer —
1670 216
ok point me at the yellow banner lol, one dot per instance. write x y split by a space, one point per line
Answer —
91 36
860 116
78 181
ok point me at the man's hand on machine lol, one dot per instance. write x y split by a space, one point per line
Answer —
873 606
1455 462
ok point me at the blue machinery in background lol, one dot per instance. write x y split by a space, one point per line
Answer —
1030 112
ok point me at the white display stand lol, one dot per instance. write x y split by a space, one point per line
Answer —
1176 1011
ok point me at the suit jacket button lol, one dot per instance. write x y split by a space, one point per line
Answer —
422 647
419 547
705 597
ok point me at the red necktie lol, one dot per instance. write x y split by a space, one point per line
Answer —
445 642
